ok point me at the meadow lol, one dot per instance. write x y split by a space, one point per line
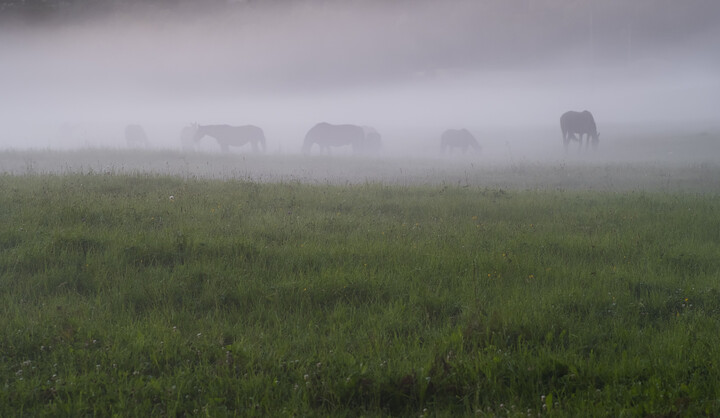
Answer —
478 291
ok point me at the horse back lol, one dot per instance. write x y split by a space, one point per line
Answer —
578 122
234 134
326 134
457 137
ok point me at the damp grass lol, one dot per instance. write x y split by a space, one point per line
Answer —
156 295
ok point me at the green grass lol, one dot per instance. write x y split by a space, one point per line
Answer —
243 298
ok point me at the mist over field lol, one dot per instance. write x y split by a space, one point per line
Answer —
143 273
75 77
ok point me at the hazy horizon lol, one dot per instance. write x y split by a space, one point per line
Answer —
408 69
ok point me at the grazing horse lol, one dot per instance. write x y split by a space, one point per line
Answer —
135 136
458 138
362 139
371 143
186 137
236 136
581 123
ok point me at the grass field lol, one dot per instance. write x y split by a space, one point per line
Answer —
146 294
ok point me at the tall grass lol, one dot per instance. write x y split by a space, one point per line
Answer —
141 294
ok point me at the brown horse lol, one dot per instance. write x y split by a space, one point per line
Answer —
135 136
581 123
362 139
458 138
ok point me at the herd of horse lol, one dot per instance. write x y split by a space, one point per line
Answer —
363 140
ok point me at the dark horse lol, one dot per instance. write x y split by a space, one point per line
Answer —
135 136
362 139
581 123
458 138
236 136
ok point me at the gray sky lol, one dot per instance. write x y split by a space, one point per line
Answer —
404 67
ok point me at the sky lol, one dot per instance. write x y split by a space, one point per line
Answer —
410 69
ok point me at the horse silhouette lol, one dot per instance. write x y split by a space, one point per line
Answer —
362 139
580 123
372 143
135 136
186 137
235 136
458 138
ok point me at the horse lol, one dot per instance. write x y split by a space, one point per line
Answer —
362 139
458 138
186 137
135 136
581 123
372 142
236 136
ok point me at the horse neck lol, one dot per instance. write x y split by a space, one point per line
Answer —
200 132
209 130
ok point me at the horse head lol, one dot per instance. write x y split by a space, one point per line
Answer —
307 146
198 132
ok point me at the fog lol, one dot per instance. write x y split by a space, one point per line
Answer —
504 70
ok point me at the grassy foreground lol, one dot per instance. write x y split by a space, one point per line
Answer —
146 295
